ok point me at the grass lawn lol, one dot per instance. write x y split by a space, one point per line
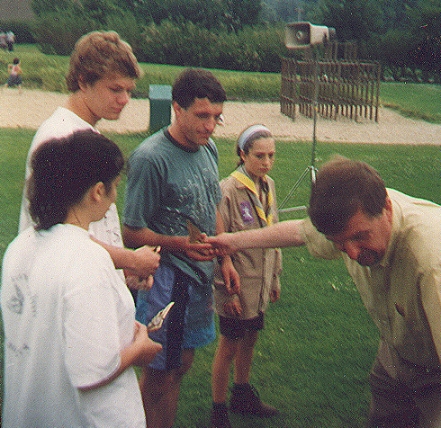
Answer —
313 357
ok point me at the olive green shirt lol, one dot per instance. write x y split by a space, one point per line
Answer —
403 292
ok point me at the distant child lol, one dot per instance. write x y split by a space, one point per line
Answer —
249 202
15 72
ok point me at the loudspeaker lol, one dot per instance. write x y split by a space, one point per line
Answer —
303 34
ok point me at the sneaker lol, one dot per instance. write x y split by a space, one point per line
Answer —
219 418
245 399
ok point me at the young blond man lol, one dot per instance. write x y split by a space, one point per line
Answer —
102 75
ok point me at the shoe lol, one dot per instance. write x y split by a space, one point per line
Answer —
219 418
245 399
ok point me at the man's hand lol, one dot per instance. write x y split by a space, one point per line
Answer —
222 243
138 283
274 295
197 250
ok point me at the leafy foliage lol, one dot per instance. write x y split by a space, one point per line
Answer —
229 15
403 35
251 49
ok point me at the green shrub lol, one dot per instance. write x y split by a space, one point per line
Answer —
57 33
252 49
21 29
179 45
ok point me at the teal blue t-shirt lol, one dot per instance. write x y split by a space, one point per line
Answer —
168 185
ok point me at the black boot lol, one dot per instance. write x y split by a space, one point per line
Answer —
245 399
219 416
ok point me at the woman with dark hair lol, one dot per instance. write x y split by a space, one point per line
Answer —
69 320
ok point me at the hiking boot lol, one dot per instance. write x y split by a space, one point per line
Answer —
219 417
245 399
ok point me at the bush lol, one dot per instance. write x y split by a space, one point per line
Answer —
57 33
252 49
21 29
169 43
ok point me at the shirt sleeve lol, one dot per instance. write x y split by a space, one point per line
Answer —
140 201
316 242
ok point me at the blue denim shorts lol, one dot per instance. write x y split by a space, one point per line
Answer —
190 322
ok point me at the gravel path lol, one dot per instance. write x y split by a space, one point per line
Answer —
30 108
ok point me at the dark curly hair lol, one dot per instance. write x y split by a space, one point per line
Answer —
64 169
195 83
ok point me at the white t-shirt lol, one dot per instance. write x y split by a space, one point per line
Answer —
64 122
66 315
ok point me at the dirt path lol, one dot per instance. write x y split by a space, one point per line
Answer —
32 107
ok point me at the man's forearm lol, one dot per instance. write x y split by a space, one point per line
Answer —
282 234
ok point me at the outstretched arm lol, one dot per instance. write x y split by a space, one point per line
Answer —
283 234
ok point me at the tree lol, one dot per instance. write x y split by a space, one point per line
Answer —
426 17
42 7
60 23
352 19
393 50
211 14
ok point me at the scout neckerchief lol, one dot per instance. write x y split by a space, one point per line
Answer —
265 216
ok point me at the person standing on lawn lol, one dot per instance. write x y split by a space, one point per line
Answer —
102 75
248 202
69 320
15 71
173 186
391 245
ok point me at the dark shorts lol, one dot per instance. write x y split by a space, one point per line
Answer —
233 328
190 322
14 81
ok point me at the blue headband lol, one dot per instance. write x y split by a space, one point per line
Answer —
248 133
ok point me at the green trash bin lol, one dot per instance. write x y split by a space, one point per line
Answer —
160 97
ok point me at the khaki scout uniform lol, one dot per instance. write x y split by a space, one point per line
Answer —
259 269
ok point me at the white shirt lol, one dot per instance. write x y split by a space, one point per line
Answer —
66 315
62 123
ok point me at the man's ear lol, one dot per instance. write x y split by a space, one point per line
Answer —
388 208
176 108
81 84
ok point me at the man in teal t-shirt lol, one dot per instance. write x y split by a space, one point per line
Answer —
173 179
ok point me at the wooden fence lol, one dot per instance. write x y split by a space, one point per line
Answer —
346 88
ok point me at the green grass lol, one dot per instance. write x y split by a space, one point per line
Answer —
413 100
420 101
313 357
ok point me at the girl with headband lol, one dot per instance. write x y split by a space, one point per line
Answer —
248 202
